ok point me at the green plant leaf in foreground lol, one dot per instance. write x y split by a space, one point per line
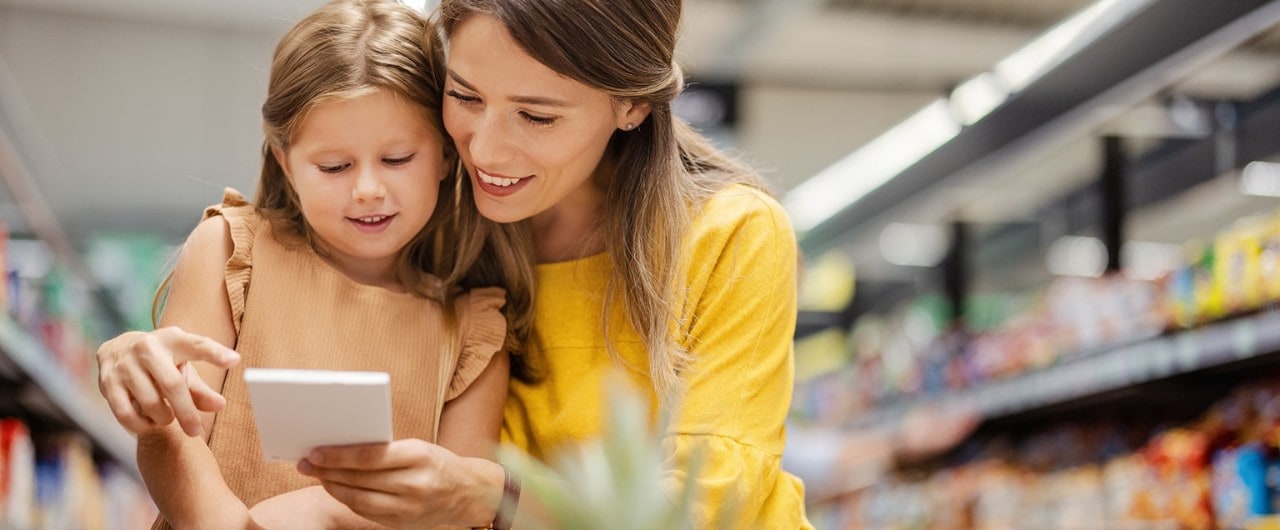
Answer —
615 482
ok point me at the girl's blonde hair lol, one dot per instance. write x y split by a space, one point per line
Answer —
665 170
351 48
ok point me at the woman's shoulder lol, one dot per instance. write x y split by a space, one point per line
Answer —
738 210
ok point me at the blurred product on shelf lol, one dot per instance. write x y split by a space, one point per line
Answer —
56 309
1238 272
833 462
1220 471
63 312
17 475
55 483
49 475
911 353
129 267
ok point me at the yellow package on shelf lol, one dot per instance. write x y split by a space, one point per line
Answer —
1267 522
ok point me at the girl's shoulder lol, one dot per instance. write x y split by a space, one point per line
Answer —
483 334
239 231
235 209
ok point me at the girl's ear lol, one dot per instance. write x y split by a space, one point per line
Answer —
282 160
631 114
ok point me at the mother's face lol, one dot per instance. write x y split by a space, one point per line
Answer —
530 138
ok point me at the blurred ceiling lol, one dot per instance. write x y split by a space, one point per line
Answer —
877 61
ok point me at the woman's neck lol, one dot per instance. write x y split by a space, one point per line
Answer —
571 229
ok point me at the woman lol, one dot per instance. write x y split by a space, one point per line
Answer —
654 253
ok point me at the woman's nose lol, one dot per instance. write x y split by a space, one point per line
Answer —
490 146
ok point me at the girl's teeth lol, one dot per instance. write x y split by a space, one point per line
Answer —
377 219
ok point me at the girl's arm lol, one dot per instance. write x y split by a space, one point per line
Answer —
413 483
179 470
471 422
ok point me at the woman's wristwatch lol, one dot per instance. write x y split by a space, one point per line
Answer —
507 506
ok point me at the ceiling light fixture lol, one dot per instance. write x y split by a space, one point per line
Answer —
849 180
866 169
1261 179
1077 256
913 245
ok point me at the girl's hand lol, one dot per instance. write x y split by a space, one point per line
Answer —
409 483
147 382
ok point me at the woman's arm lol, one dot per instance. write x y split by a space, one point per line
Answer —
726 435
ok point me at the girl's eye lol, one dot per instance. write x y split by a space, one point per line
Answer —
537 120
332 169
398 161
462 98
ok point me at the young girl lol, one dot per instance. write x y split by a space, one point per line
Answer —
323 271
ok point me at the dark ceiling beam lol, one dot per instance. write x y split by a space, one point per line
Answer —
1172 168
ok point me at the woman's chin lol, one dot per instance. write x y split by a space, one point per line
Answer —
498 212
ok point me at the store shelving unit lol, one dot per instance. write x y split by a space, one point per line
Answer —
1141 60
47 389
1109 370
55 388
1132 62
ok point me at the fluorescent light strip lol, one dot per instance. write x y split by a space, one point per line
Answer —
869 167
866 169
1023 67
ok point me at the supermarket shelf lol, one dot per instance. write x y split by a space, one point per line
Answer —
82 410
1150 360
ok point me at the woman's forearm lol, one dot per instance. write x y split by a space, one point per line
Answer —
486 480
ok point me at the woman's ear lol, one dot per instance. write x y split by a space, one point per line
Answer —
631 114
282 160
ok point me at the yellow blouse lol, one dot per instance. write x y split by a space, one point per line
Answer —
739 310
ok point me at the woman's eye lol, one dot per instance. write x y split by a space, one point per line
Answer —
537 120
461 97
332 169
398 161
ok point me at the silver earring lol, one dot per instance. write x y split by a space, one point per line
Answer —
629 126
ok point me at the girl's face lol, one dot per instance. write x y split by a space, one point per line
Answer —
530 138
367 172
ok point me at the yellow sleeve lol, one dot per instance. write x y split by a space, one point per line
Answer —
741 314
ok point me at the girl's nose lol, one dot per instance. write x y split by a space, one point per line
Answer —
369 187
